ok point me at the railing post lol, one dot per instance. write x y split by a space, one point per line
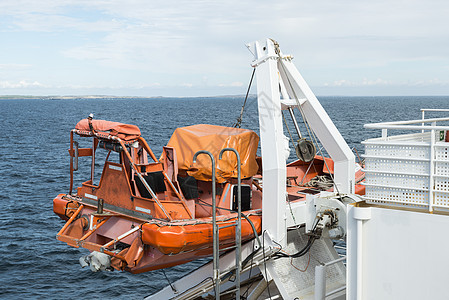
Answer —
216 266
431 168
320 282
238 235
423 112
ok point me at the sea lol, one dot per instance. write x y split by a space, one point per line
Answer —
34 168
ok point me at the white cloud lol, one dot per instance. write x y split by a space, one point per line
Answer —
11 67
25 84
120 44
60 23
383 82
21 84
232 84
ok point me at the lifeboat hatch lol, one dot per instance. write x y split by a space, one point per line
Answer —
189 187
246 197
155 180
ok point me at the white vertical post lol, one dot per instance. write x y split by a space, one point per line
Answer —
432 167
272 141
320 282
359 259
360 214
423 113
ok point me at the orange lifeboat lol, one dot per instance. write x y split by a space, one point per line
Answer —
147 213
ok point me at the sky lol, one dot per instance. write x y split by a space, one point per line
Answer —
197 48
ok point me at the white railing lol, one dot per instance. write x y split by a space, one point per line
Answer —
409 169
423 112
408 125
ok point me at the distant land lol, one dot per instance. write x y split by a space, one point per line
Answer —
71 97
250 96
12 97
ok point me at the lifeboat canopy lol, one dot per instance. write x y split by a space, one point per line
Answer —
188 140
105 129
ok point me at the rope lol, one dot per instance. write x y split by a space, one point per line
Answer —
288 129
323 182
306 123
172 287
238 124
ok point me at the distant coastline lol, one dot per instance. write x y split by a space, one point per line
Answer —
12 97
30 97
251 96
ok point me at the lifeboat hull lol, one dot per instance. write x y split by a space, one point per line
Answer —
173 239
155 244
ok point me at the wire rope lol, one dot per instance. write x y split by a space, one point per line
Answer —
238 123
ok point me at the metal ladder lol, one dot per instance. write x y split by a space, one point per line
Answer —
216 227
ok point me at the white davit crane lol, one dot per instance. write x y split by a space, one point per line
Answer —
280 86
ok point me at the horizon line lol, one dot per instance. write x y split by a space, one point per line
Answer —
90 96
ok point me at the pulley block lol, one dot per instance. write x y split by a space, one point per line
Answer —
305 150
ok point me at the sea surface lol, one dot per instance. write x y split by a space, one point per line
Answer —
34 168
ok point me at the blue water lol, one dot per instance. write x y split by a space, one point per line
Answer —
34 169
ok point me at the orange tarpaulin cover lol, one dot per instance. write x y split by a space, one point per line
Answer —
188 140
124 131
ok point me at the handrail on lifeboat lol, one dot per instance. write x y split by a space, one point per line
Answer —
147 148
71 162
144 182
120 141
